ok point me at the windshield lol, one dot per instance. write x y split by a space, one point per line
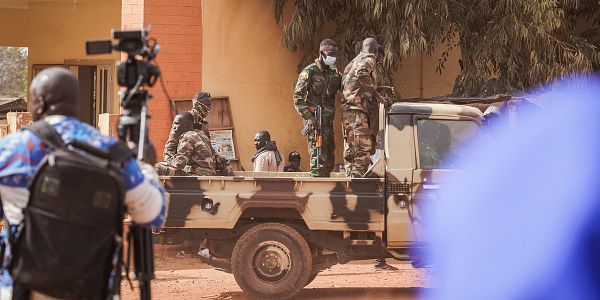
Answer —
443 142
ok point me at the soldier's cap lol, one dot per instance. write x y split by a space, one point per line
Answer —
294 155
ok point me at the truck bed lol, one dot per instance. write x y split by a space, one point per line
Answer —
336 203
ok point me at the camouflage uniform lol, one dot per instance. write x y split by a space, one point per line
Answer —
197 115
182 123
195 156
359 89
193 119
316 87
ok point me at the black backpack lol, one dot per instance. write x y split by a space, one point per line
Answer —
70 245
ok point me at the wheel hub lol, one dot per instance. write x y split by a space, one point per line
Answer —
271 261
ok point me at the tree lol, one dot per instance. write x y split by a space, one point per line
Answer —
13 77
505 45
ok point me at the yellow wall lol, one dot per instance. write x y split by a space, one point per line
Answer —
242 59
14 27
57 30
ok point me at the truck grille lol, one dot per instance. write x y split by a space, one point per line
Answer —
399 188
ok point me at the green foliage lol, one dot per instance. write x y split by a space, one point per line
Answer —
13 77
505 45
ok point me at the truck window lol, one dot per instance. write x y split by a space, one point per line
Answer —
442 142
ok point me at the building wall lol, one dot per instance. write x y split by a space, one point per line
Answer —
242 59
14 27
55 31
177 26
58 30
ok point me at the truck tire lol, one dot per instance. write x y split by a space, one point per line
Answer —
311 278
271 261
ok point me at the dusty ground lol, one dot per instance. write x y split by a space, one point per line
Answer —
185 277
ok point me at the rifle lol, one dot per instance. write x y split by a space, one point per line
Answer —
317 132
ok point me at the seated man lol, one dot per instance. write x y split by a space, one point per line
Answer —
201 104
267 157
294 159
194 156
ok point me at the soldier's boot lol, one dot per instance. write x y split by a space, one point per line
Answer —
382 265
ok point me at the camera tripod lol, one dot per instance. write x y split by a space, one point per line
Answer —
132 128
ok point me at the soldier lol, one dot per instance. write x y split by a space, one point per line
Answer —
359 91
200 108
201 105
294 159
195 155
317 86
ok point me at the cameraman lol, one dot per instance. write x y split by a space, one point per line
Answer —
55 97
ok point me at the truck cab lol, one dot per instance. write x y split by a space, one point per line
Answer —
422 144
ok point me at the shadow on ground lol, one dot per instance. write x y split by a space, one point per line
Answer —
340 293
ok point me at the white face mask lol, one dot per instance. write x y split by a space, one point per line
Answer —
329 60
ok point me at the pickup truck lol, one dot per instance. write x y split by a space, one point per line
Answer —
276 231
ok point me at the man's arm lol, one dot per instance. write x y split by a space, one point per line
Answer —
15 196
364 71
19 152
301 94
144 196
177 130
185 150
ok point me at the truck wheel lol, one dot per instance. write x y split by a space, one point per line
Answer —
311 278
271 261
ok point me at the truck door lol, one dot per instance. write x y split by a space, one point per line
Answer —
400 158
440 143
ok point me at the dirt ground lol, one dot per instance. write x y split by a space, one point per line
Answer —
185 277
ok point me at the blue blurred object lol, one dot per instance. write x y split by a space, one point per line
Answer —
523 221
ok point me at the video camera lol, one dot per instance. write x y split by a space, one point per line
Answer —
132 73
135 72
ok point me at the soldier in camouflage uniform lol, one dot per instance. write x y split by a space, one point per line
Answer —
201 104
317 85
200 108
194 156
359 91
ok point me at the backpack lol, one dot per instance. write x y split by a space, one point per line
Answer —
70 245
